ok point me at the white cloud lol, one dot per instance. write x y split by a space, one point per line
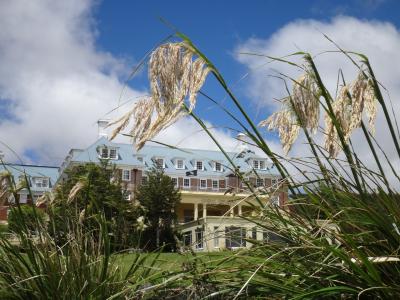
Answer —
380 41
54 83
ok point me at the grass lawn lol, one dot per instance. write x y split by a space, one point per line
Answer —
171 262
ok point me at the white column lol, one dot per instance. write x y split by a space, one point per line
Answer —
196 211
240 209
231 211
204 210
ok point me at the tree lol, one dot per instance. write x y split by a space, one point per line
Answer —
89 193
159 200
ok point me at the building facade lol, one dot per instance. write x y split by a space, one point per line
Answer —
40 179
213 197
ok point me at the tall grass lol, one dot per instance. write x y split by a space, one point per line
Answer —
33 265
339 235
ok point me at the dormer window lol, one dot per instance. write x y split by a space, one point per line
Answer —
179 164
259 164
159 162
41 182
256 164
108 153
218 167
199 165
113 153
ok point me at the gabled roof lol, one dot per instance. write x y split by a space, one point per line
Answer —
18 170
127 156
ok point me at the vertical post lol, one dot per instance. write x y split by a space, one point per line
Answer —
240 209
204 210
231 211
196 211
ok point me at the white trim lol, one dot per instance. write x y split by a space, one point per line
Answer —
123 175
202 165
203 188
212 185
177 182
183 183
176 164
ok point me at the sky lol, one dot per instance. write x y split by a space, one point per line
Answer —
65 64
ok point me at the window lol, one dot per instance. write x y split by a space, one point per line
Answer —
215 184
218 167
235 237
275 200
259 182
113 153
216 237
199 238
127 195
255 164
254 233
187 238
179 164
144 180
41 182
159 163
104 153
126 175
174 181
259 164
108 153
203 183
199 165
139 158
274 181
186 182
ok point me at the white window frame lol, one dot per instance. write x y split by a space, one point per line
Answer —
212 184
40 180
184 180
256 164
274 181
259 180
105 153
262 164
220 167
202 165
123 175
205 187
156 161
177 164
275 200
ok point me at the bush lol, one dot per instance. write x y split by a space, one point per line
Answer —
31 216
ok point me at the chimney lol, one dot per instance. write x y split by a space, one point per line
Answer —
243 146
102 125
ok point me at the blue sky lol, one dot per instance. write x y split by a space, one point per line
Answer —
64 63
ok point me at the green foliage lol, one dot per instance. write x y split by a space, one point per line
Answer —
88 192
159 199
33 216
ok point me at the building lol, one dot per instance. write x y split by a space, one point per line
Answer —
40 179
212 195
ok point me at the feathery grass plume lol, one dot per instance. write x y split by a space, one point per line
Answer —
348 109
305 97
342 108
302 105
75 190
285 122
174 75
5 187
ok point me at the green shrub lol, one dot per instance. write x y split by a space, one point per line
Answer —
34 217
